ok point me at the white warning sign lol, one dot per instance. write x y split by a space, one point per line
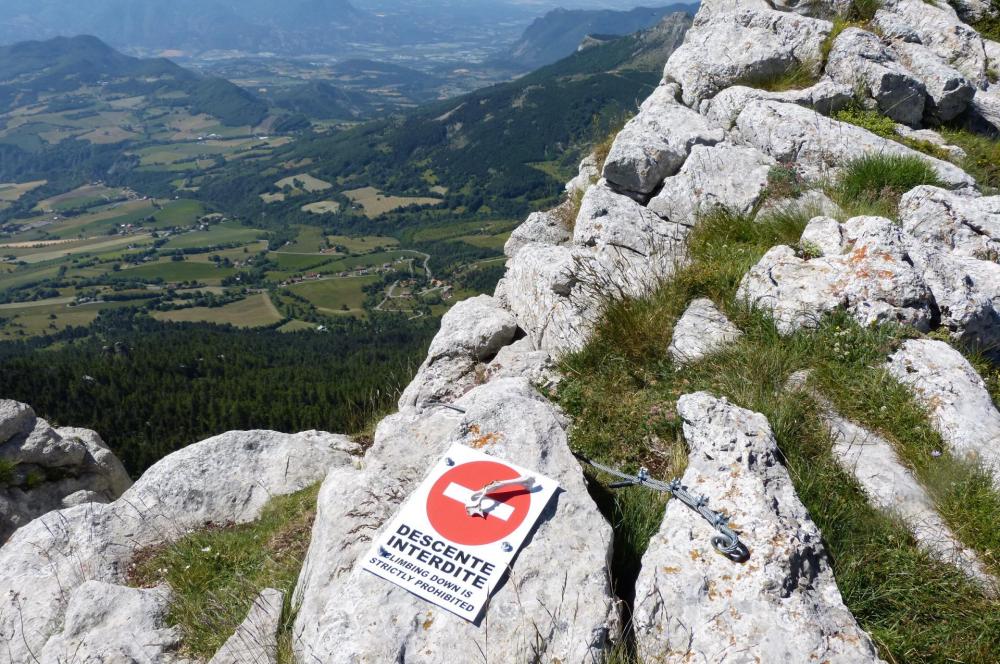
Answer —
454 537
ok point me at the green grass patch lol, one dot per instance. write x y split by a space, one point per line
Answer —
224 233
174 271
874 183
254 311
621 391
797 77
333 295
217 573
983 156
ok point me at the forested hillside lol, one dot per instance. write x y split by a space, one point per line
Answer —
151 388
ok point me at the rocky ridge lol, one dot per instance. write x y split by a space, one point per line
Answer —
706 138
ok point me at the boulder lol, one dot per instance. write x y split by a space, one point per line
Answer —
113 624
522 360
973 11
985 109
825 97
966 225
255 641
955 397
228 478
52 468
873 281
471 333
817 145
858 58
655 143
543 228
741 40
891 487
587 174
609 222
702 330
556 604
825 235
937 27
782 605
948 91
721 176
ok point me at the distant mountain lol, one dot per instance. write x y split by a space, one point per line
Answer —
505 148
561 31
322 101
72 66
195 25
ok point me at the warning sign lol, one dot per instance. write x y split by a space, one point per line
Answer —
453 539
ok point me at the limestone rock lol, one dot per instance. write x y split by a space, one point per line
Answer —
972 11
53 468
812 202
937 27
967 225
741 40
723 175
471 332
108 623
954 152
824 234
255 641
872 281
817 145
782 605
556 604
655 143
609 222
859 58
948 91
985 108
702 330
228 478
522 360
891 487
587 174
825 97
956 398
544 228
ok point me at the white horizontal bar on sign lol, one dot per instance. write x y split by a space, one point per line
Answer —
490 506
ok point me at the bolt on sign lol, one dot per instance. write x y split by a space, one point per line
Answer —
454 538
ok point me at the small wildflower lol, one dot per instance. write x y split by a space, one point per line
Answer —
207 549
936 453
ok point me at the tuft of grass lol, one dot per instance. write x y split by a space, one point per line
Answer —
783 181
566 212
6 472
874 183
863 11
216 573
871 120
621 391
800 75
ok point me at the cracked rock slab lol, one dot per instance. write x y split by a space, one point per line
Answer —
782 605
967 225
255 641
655 143
955 397
825 97
555 605
471 332
702 330
873 280
817 145
860 58
891 487
720 176
225 479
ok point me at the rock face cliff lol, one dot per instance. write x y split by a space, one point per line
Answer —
706 138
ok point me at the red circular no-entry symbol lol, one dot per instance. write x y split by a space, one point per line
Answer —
447 498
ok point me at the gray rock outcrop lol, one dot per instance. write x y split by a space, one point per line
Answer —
702 330
471 334
51 468
255 641
955 397
782 605
655 143
228 478
556 604
891 487
967 225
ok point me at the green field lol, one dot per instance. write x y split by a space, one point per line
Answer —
331 295
224 233
299 262
37 317
362 244
310 240
175 271
254 311
485 241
